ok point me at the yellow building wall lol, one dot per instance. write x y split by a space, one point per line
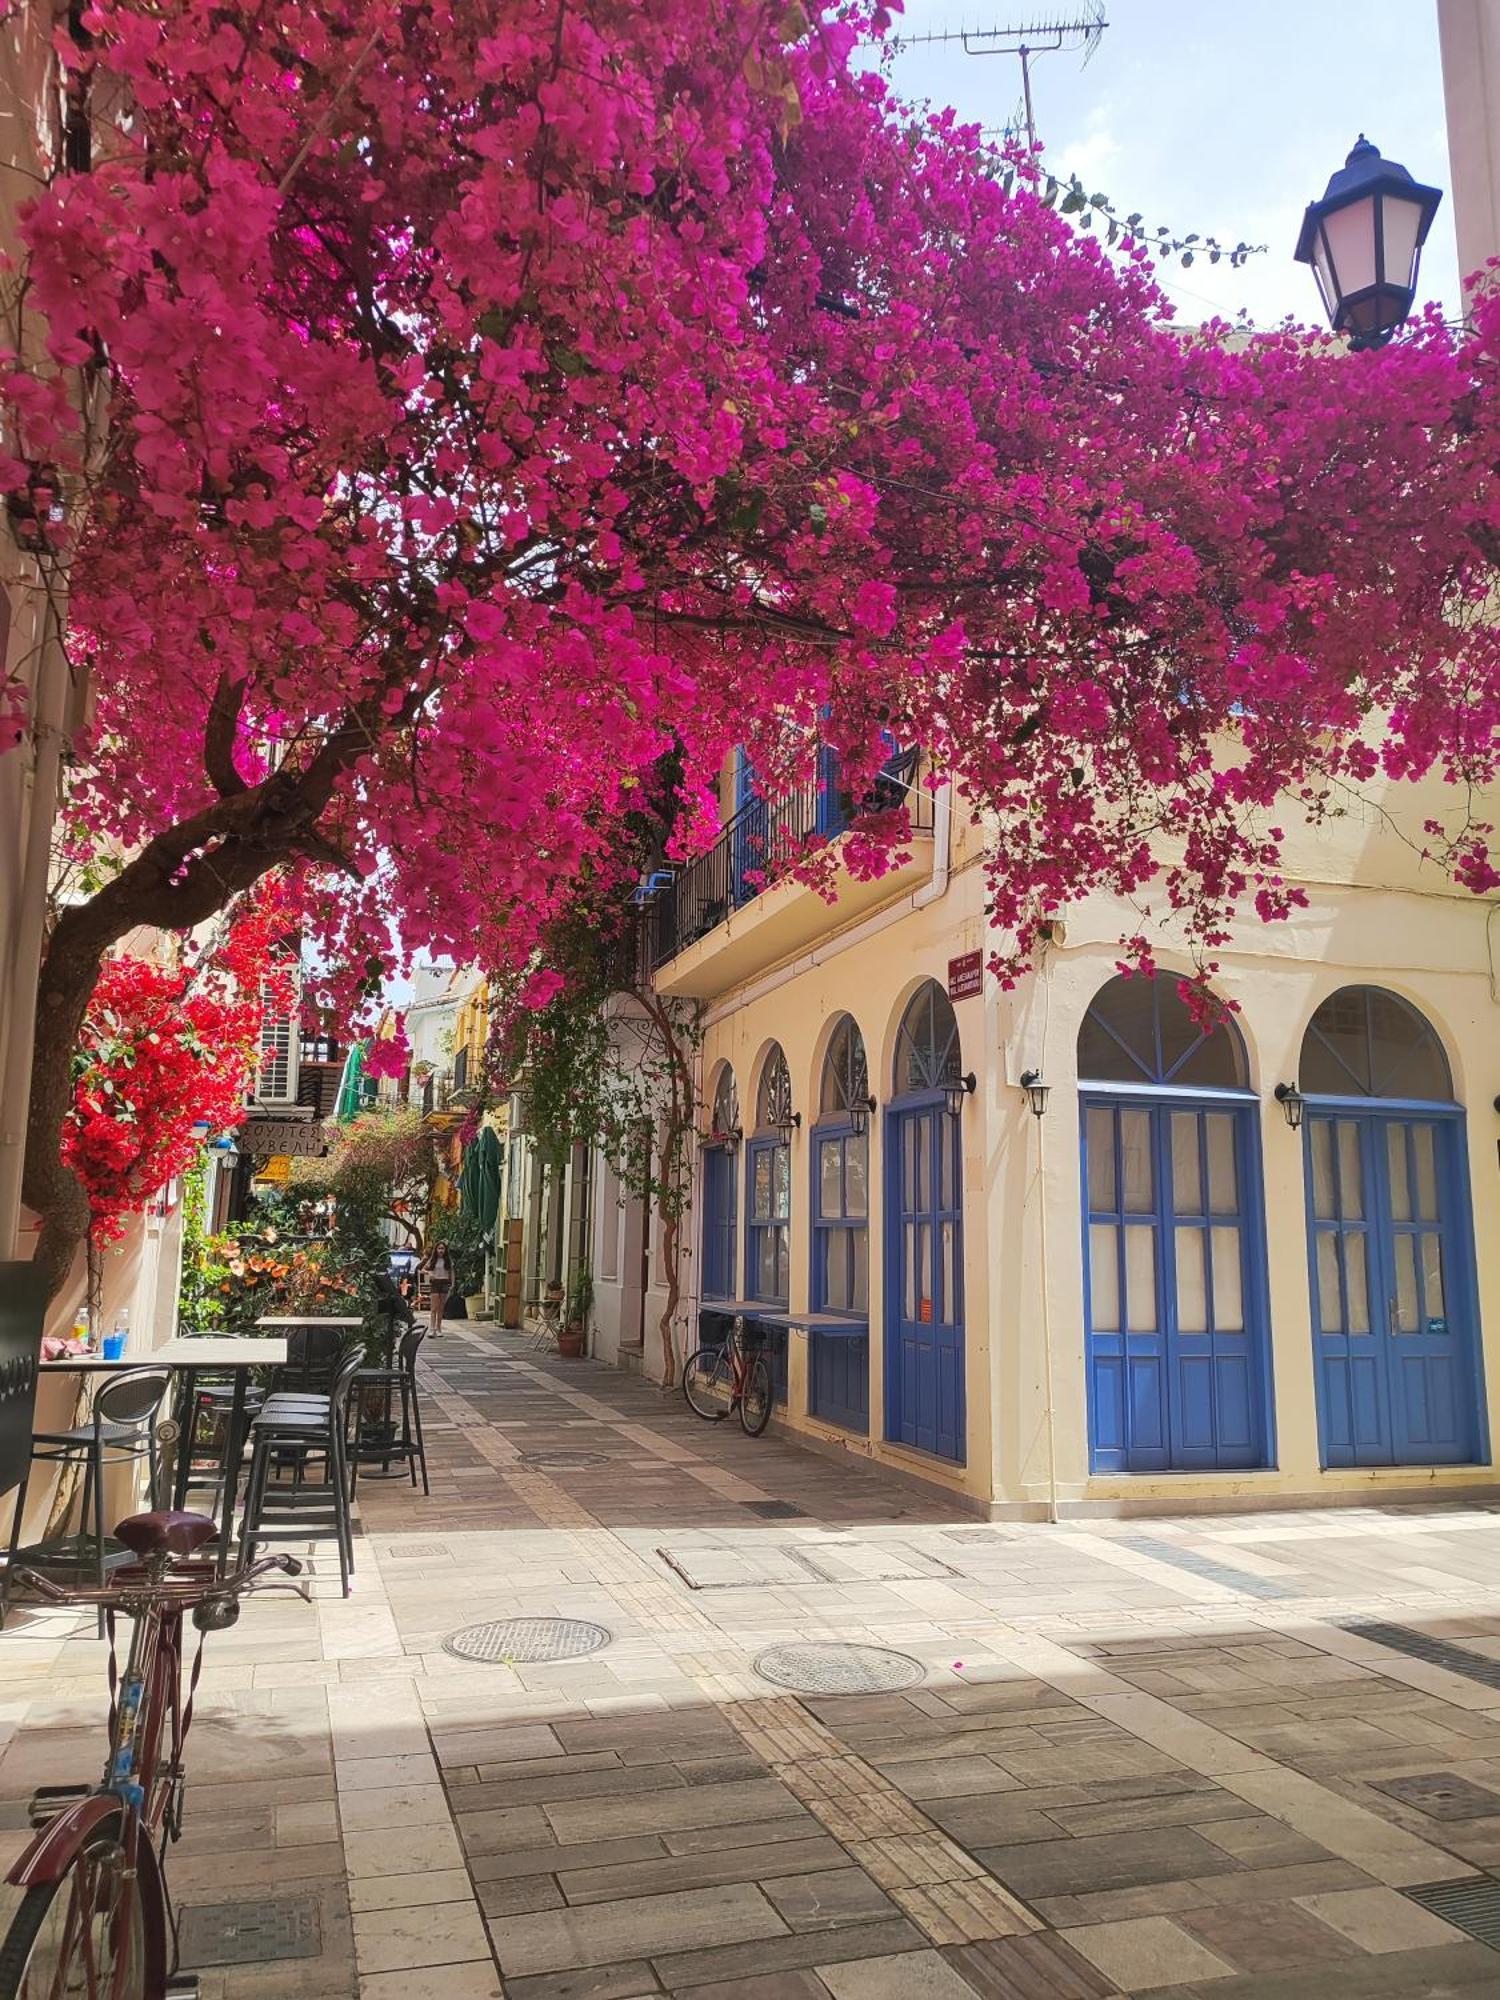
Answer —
1377 915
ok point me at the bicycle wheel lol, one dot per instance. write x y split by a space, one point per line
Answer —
84 1934
706 1384
755 1401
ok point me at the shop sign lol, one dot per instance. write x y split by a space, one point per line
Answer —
966 975
264 1138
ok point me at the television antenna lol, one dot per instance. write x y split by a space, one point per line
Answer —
1027 40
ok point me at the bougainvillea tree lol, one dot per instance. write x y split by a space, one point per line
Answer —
164 1058
503 395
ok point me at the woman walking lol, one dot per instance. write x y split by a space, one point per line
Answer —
439 1269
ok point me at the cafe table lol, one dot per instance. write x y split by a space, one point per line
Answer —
187 1359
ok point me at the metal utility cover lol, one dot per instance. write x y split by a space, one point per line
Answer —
256 1933
525 1642
1441 1795
835 1670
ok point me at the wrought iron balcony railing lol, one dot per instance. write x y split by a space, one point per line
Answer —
761 844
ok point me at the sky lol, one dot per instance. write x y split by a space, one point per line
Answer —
1220 116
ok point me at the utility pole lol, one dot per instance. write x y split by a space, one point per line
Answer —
1026 40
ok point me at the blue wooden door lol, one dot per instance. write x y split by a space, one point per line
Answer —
1393 1316
924 1281
1175 1298
718 1223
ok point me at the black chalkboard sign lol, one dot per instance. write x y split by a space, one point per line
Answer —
23 1303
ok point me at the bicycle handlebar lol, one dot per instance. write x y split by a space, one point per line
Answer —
166 1589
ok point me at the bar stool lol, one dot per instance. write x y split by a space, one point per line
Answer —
313 1354
409 1447
120 1431
302 1427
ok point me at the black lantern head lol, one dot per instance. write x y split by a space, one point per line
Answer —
1036 1091
788 1125
859 1116
1364 241
956 1089
1291 1100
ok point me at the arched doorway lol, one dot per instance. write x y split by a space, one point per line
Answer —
1390 1231
720 1207
1175 1313
924 1312
839 1346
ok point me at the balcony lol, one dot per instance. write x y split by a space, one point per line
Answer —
738 909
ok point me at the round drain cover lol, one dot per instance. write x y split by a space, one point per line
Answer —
524 1642
562 1460
838 1669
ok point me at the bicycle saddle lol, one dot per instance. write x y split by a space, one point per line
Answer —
166 1533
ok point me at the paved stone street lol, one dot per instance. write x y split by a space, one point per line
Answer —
1253 1756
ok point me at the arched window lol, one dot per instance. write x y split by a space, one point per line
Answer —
926 1042
720 1203
769 1172
1141 1030
1365 1042
846 1076
773 1101
725 1125
1176 1321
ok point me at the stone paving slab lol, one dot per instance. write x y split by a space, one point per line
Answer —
1139 1761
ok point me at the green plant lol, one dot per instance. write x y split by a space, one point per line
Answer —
580 1298
467 1240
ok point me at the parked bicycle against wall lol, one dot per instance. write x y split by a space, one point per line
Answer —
95 1920
719 1380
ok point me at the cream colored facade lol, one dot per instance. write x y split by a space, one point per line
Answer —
1376 916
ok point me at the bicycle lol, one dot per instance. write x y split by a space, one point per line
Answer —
717 1380
95 1920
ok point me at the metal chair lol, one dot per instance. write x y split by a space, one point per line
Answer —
299 1428
120 1431
409 1447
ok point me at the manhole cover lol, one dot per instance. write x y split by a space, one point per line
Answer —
1441 1795
563 1459
526 1642
838 1669
249 1933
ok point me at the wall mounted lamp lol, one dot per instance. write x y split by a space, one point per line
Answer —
729 1139
859 1117
956 1089
1291 1100
788 1125
1036 1091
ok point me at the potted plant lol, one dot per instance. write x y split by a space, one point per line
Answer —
574 1333
466 1246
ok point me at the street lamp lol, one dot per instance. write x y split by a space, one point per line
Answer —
859 1116
1364 241
1291 1100
956 1089
1036 1091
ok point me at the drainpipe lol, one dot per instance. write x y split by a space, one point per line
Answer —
20 976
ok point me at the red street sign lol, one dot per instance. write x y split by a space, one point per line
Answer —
966 975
